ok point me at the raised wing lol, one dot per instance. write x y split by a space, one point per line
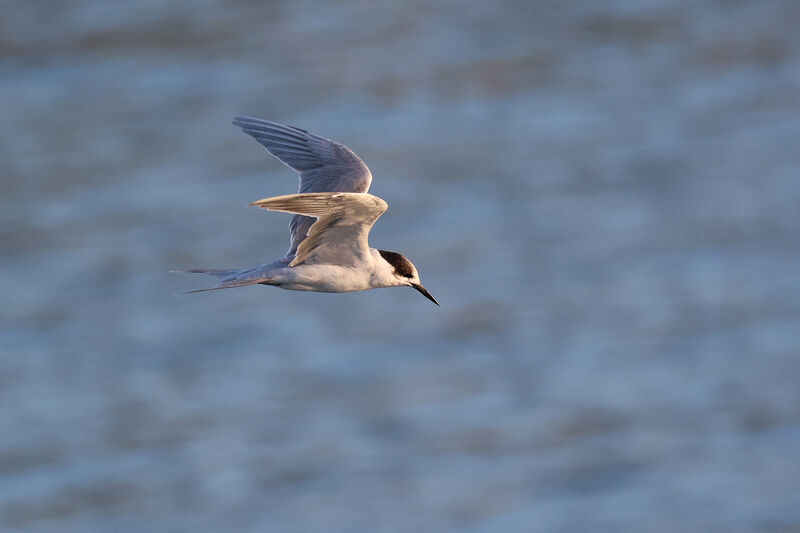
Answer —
324 165
340 236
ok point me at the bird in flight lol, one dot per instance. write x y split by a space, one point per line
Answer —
333 213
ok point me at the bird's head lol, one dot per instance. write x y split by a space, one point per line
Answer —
405 273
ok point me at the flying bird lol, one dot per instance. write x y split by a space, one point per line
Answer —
333 213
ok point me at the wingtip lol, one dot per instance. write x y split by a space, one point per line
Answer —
265 202
243 122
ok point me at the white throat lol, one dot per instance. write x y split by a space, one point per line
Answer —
383 273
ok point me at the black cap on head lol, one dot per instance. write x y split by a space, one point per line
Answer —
401 265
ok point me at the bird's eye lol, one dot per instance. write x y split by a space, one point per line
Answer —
409 276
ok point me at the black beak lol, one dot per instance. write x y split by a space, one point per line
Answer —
425 293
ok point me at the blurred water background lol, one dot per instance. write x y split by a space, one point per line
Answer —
603 195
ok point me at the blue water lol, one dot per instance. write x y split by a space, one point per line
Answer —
604 196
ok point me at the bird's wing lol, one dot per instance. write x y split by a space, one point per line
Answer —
340 236
324 165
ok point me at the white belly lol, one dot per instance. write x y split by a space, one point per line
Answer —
324 278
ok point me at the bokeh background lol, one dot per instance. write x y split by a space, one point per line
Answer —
605 197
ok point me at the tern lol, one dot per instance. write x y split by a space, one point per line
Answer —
333 213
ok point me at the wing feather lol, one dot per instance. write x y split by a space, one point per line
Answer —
324 165
340 234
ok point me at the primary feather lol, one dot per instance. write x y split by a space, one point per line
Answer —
324 165
340 234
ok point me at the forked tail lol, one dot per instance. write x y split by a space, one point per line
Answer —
228 279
